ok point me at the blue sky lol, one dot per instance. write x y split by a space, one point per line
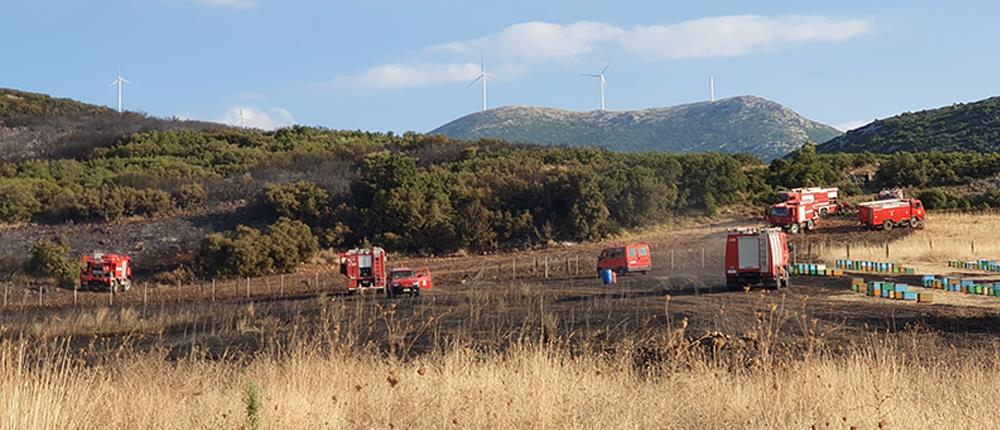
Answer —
404 64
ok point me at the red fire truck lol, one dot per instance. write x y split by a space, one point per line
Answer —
111 272
757 257
365 269
626 258
887 214
801 208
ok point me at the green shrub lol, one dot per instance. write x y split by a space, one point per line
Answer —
49 260
190 196
301 200
247 251
17 202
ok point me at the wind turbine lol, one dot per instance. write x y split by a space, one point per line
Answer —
603 81
711 89
120 82
483 76
242 118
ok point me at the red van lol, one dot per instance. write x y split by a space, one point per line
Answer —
626 258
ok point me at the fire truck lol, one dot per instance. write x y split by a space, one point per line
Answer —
886 214
801 208
111 272
757 257
365 269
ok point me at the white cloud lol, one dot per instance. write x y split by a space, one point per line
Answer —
519 46
705 37
235 4
736 35
255 118
850 125
392 76
537 41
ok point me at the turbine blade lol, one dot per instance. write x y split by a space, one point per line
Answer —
605 69
475 80
590 75
113 83
125 80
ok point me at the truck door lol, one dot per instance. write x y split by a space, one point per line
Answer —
749 252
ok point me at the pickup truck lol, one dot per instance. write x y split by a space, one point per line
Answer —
406 280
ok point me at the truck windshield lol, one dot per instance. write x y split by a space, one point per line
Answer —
779 211
398 274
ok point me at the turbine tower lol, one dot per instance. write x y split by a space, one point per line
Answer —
483 76
711 89
603 81
242 118
120 82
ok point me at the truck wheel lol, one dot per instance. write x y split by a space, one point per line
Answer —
915 222
810 225
824 212
887 225
793 229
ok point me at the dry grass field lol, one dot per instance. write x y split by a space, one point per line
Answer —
486 349
946 236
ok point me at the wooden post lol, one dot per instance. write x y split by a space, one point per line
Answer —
317 279
887 251
145 297
5 288
848 251
75 289
499 268
248 285
39 295
809 252
972 245
703 257
534 270
577 263
281 286
930 243
513 268
213 290
111 297
546 267
671 259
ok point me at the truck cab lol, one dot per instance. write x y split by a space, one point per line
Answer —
406 280
626 258
792 217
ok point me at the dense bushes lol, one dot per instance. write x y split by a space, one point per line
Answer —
247 251
49 260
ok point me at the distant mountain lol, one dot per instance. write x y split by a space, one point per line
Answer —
973 127
34 126
738 124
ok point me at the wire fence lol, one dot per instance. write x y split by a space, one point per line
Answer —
485 271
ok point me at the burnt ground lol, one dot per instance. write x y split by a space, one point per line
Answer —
497 300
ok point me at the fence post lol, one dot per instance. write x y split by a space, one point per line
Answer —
499 268
513 268
213 289
111 296
972 245
671 259
809 252
145 297
39 295
317 279
248 287
281 286
703 257
887 251
848 251
546 267
930 243
6 287
75 289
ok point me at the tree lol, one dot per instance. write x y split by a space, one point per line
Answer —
49 260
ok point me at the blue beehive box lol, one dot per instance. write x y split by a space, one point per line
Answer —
910 296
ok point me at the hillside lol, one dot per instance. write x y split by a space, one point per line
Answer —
973 127
745 124
34 126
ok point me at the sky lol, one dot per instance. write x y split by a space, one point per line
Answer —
406 64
